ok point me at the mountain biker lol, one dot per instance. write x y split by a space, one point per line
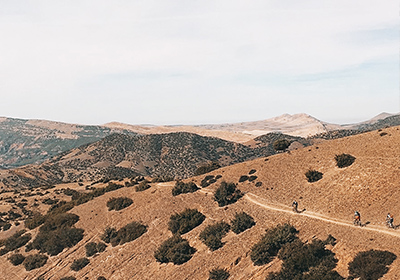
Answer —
357 217
294 206
389 220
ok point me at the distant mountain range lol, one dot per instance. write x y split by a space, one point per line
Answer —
68 152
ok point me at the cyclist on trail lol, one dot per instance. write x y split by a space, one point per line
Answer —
357 218
294 206
389 220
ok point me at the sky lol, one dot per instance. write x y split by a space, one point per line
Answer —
198 62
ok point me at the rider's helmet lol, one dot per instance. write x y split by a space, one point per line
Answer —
356 213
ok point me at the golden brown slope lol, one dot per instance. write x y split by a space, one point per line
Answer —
370 185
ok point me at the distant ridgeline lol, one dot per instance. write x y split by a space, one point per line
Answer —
72 153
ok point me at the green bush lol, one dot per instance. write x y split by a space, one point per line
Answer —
118 203
281 144
227 194
241 222
78 264
313 175
125 234
16 259
205 168
344 160
218 274
185 221
34 261
212 235
181 187
17 240
371 265
175 249
144 185
267 248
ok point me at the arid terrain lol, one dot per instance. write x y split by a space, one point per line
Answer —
370 185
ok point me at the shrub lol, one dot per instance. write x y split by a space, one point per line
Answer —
344 160
313 175
227 194
101 278
101 247
267 248
206 168
60 221
185 221
34 261
218 274
252 178
281 144
17 240
241 222
208 180
16 259
252 171
34 221
78 264
371 265
68 278
212 235
118 203
91 249
175 249
243 178
144 185
125 234
181 187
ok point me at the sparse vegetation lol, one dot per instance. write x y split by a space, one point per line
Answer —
344 160
206 168
93 248
313 175
185 221
243 178
281 145
142 186
175 249
34 261
241 222
212 235
227 194
371 265
267 248
15 241
68 278
16 259
125 234
181 187
118 203
78 264
208 180
218 274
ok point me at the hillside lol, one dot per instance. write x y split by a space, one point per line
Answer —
369 185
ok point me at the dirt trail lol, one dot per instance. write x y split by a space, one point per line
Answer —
275 207
282 208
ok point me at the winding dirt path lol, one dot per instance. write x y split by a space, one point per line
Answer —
276 207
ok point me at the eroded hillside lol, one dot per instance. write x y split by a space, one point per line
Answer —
269 186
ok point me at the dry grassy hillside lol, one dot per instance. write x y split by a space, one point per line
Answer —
370 185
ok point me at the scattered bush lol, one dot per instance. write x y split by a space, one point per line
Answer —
17 240
227 194
16 259
371 265
206 168
125 234
101 247
258 184
34 261
252 171
93 248
281 144
109 234
252 178
185 221
181 187
175 249
267 248
243 178
208 180
344 160
34 221
241 222
101 278
68 278
59 221
78 264
144 185
313 175
212 235
118 203
218 274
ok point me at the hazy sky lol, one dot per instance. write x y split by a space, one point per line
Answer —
193 62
